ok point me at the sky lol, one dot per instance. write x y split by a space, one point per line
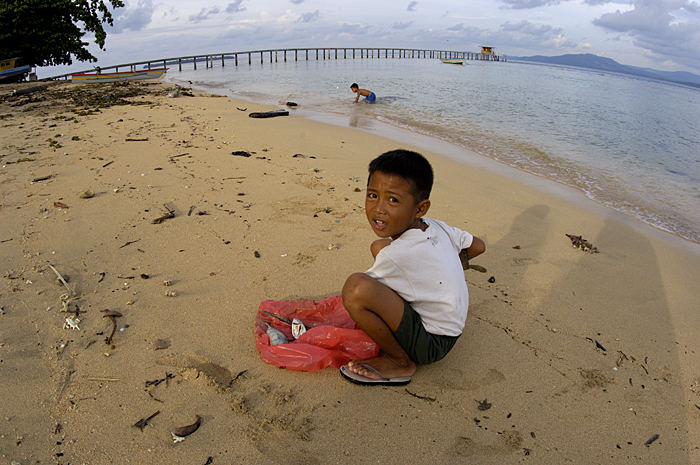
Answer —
658 34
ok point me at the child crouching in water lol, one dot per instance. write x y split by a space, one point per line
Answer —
413 301
368 95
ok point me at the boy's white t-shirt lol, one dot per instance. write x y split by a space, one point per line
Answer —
423 267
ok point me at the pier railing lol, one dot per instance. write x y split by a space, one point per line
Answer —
289 54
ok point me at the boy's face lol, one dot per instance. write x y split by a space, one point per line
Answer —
390 205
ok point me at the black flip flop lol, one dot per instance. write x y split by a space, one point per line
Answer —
365 381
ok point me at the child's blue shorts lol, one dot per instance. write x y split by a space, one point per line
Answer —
371 98
420 345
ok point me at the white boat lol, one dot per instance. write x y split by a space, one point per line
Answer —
453 61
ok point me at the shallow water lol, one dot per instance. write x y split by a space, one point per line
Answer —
631 144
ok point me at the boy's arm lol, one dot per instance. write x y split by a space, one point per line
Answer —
378 245
477 248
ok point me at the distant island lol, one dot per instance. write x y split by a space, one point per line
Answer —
590 61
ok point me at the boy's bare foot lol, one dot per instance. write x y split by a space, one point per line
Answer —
388 367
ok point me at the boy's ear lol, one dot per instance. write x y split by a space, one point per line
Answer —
422 208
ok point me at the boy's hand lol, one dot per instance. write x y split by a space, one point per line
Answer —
464 259
477 248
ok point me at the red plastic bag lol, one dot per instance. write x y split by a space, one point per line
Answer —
331 338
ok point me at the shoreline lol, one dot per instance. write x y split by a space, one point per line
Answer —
579 357
449 149
542 183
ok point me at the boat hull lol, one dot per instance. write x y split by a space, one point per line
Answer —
153 73
14 74
453 61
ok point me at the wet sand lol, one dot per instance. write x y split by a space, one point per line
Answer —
567 356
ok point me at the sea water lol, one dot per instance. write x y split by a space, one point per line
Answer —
628 143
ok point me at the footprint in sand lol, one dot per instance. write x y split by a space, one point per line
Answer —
221 377
507 443
462 382
594 378
304 260
525 261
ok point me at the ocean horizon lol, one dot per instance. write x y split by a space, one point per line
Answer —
629 143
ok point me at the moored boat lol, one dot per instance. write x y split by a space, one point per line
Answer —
153 73
11 72
453 61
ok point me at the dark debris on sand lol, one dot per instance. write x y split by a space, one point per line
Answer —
102 95
90 96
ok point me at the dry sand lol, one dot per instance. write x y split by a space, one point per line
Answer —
580 357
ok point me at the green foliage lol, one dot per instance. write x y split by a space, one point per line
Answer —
50 32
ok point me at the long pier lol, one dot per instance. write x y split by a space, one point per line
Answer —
295 54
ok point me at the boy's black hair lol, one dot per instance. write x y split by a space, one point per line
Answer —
411 166
354 86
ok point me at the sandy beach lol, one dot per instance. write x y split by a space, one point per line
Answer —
567 356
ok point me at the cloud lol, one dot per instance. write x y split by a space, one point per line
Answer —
309 17
347 29
412 6
525 4
297 2
456 27
645 16
133 18
235 7
531 29
402 25
669 29
204 13
603 2
526 34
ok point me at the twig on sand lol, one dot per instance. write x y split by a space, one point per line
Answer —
170 213
62 280
141 424
429 398
112 315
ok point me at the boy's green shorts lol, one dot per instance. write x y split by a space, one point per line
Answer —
422 346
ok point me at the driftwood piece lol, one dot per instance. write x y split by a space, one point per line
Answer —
170 213
65 283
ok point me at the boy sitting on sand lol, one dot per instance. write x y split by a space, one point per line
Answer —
367 94
413 301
